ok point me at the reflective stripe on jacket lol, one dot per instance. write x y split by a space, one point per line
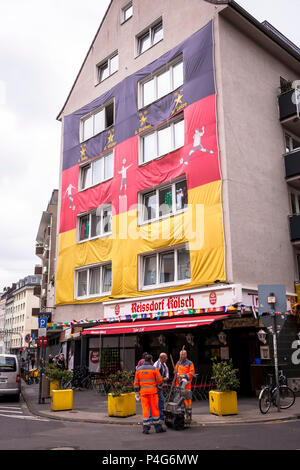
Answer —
146 380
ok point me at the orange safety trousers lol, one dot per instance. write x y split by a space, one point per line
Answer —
150 404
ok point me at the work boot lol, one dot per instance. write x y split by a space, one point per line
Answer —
159 428
146 429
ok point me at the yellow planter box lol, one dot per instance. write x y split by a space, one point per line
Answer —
62 400
54 386
223 403
124 405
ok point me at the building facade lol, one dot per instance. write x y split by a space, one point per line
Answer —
46 251
173 200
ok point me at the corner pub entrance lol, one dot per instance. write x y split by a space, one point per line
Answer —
202 344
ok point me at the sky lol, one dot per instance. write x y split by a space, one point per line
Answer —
42 47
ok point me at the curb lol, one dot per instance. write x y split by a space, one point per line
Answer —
265 420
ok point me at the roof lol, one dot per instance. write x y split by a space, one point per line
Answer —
265 27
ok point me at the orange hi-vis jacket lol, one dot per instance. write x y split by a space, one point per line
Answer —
146 380
185 368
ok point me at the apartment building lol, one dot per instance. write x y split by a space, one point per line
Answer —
21 320
46 251
174 200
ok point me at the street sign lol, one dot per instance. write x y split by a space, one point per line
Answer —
27 338
42 332
267 293
41 340
43 322
33 336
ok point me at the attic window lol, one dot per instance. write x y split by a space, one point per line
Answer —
108 67
126 12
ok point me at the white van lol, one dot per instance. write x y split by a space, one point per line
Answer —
10 378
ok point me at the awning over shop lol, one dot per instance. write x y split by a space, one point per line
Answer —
153 325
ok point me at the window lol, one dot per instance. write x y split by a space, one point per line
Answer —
166 267
149 38
97 122
162 141
295 203
96 171
95 224
93 281
108 67
291 143
163 82
163 201
126 12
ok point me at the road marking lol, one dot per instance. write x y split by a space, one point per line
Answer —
32 418
10 411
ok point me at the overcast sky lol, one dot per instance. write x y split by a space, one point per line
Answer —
42 46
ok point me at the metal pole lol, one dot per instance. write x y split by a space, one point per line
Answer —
276 360
41 400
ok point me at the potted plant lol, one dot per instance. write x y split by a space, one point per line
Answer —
57 377
223 400
121 397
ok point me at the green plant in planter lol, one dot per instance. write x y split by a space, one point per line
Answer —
120 382
224 376
57 375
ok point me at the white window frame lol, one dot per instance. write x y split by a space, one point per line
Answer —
88 269
124 10
150 31
158 253
141 204
107 62
92 115
91 163
154 76
171 124
99 213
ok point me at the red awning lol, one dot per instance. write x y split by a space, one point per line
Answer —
152 325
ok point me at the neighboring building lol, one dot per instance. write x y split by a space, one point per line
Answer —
8 325
46 250
22 321
173 197
2 322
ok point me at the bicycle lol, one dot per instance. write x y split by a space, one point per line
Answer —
269 395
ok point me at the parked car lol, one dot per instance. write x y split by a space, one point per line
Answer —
10 378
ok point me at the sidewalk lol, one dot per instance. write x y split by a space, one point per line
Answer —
90 406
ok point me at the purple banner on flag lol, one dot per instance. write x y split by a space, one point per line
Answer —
129 120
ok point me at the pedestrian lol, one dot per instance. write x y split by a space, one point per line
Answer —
60 362
161 365
51 359
185 371
32 362
146 381
141 361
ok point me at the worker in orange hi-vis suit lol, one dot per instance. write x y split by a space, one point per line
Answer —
185 371
146 382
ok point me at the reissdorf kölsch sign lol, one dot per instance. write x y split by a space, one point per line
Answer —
204 299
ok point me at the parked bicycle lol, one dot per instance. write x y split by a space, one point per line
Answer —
81 379
269 394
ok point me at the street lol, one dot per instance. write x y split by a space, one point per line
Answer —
19 430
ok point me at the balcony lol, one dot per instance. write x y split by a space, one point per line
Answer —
289 110
37 291
295 229
39 251
38 270
292 168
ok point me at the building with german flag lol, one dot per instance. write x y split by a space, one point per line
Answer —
171 170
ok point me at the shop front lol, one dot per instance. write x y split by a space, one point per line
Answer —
199 321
